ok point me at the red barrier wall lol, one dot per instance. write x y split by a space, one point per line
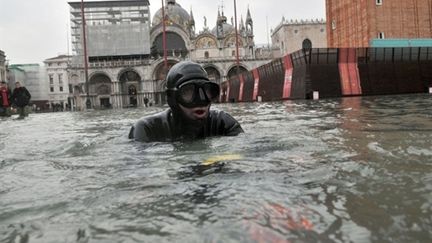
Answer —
335 73
288 77
349 74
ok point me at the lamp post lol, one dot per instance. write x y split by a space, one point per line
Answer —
237 41
164 37
88 102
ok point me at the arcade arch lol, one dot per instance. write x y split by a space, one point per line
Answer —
233 71
159 82
176 46
100 87
98 80
213 74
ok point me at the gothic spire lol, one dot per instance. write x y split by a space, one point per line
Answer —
192 19
248 17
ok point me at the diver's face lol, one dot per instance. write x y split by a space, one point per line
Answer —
196 113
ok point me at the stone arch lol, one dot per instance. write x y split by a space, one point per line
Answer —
175 45
128 77
230 41
233 71
159 82
307 44
98 80
129 74
77 89
206 41
74 78
159 74
213 73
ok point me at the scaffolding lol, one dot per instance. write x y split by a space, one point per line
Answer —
114 28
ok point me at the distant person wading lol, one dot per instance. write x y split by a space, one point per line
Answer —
20 98
4 99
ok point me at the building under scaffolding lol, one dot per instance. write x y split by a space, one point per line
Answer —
116 29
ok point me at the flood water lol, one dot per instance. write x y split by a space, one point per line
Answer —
335 170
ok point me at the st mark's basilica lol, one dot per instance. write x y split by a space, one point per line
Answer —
126 61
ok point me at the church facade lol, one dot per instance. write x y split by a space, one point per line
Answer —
121 77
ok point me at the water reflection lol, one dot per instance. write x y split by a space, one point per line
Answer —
342 170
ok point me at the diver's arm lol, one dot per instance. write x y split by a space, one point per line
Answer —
231 125
139 131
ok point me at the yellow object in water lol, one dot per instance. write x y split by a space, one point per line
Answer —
219 158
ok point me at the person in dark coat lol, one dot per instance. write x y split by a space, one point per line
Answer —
146 101
189 94
20 98
4 99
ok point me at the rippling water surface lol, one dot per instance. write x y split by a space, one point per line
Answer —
350 170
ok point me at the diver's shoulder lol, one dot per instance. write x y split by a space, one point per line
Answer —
219 114
154 118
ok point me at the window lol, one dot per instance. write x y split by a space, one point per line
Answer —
381 35
70 89
233 53
333 25
60 78
379 2
307 44
206 54
61 88
51 89
51 79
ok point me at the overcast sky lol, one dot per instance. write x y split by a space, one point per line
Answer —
34 30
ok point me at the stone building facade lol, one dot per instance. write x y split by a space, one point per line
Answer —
123 79
60 91
356 23
292 35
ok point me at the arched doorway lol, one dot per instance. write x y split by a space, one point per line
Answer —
129 82
233 71
175 45
307 44
132 92
213 74
100 86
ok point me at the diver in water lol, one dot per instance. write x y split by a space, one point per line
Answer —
189 93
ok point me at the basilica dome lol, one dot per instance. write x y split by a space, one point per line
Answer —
227 28
222 22
176 14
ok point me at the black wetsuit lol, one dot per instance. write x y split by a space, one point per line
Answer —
165 126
